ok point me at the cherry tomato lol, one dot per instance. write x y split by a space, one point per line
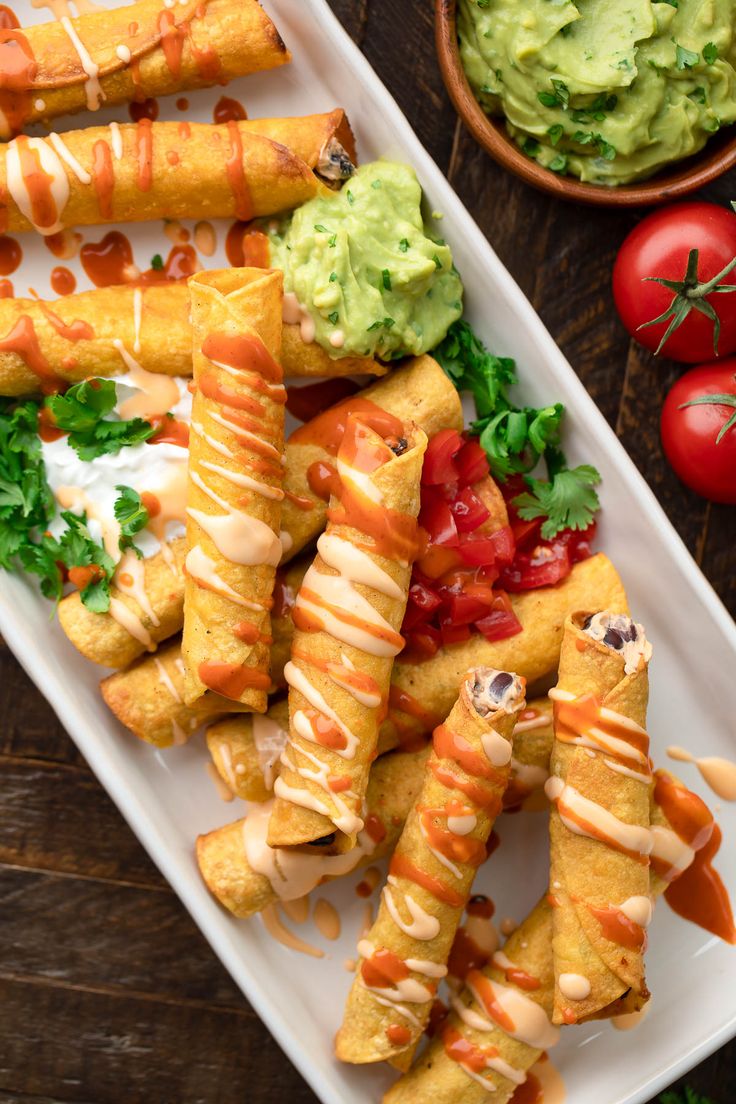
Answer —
439 459
690 433
660 247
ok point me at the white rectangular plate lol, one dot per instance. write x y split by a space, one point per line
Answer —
166 797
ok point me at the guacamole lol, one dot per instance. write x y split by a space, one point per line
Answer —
370 275
607 90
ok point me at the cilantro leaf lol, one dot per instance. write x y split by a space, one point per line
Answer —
81 412
75 548
567 500
26 501
132 516
472 368
684 58
710 53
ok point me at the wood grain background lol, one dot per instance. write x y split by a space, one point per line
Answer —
108 993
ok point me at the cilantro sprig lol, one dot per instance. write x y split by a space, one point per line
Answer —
132 516
73 551
515 438
27 506
82 413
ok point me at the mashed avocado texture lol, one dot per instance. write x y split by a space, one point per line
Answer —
365 267
608 90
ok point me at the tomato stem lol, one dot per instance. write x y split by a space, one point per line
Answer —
690 294
716 400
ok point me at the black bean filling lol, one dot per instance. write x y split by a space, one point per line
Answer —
323 841
398 445
500 684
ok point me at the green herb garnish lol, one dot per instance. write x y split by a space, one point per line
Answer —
81 412
132 516
515 438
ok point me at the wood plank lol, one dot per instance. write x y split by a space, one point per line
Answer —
72 1045
114 936
28 724
57 817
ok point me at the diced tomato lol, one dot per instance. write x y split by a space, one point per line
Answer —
545 565
463 609
501 621
471 462
424 597
468 511
503 540
439 459
477 550
526 533
578 542
437 561
436 518
424 641
454 634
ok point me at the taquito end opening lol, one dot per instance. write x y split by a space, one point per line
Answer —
620 634
334 163
492 691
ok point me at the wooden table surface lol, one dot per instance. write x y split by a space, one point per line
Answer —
108 993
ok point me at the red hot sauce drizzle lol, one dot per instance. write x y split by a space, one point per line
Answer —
699 894
227 110
465 1052
172 44
144 145
11 255
62 280
236 175
18 69
23 341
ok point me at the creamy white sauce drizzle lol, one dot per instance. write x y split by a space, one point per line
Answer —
165 679
638 909
423 926
66 155
92 86
270 739
293 874
531 1025
116 141
131 622
239 537
719 774
135 585
240 479
575 987
497 748
572 805
356 565
202 569
296 678
339 593
294 314
58 182
669 849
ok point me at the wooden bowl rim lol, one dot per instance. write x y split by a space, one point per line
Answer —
489 134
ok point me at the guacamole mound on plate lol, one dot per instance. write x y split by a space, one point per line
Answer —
366 268
609 91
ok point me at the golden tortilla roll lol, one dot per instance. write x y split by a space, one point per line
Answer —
423 693
116 638
96 333
599 823
533 739
148 699
234 489
475 1057
418 392
246 875
324 142
443 843
137 695
131 53
347 615
246 750
135 172
452 1067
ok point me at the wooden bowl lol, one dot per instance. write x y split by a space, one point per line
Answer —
684 177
